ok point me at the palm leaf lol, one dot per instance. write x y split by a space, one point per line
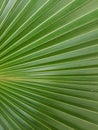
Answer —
49 65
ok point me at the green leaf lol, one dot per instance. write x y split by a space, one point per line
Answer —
49 65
